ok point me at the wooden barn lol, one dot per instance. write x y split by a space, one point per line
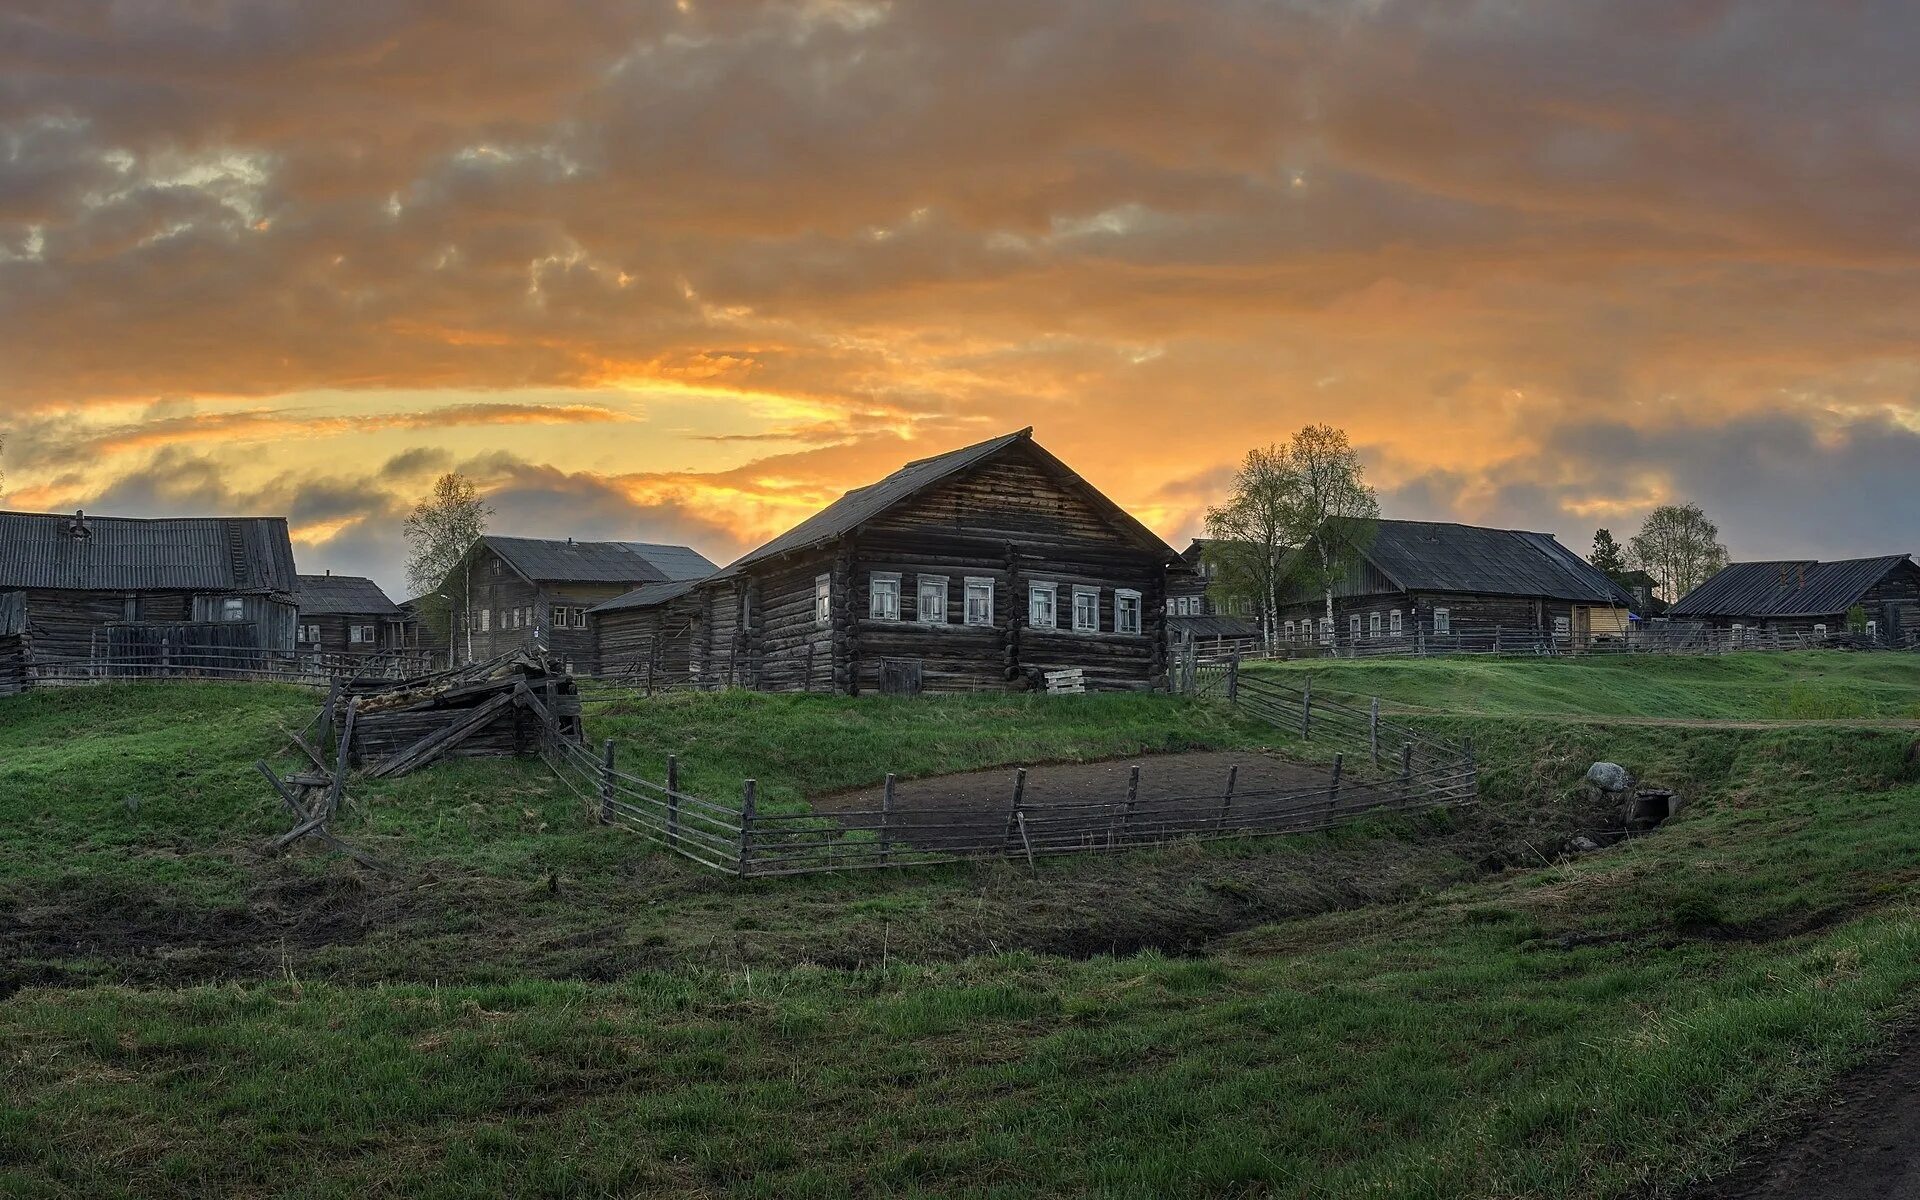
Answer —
1809 601
348 614
1194 614
982 568
515 592
99 588
1450 586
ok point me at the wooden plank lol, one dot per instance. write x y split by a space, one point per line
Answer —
438 743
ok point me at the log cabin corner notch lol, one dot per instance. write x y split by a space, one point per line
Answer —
980 568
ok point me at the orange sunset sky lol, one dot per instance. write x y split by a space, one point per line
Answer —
686 271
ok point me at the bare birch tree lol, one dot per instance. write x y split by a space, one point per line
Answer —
1679 547
439 532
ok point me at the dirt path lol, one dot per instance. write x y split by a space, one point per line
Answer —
971 808
1864 1145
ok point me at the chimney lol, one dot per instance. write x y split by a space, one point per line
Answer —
77 528
569 543
329 572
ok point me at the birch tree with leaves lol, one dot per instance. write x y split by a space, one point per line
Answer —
1679 547
1247 543
439 532
1333 510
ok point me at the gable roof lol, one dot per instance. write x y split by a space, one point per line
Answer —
131 554
338 595
648 594
563 560
1443 556
865 503
1792 588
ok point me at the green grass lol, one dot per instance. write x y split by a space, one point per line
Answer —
1803 685
1381 1012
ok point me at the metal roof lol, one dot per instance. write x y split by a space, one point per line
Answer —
43 551
1792 588
863 504
648 595
563 560
343 595
1442 556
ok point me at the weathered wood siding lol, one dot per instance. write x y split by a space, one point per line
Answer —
1471 618
71 624
13 665
336 634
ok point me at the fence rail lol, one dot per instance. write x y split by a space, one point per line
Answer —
233 663
1649 638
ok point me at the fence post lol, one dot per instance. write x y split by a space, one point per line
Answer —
1473 769
1373 731
1406 772
1133 797
886 817
748 807
1233 677
1226 801
606 783
1306 710
1014 814
1333 789
673 801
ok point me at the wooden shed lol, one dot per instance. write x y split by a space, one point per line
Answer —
348 614
1808 600
981 568
92 584
1446 585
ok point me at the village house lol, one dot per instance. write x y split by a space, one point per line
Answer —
509 592
347 614
1447 586
1196 614
982 568
1766 602
99 588
423 627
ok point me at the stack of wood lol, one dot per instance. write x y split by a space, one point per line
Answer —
504 706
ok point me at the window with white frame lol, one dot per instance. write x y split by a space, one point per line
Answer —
309 633
1290 631
979 601
486 620
1373 625
1353 627
930 600
1126 611
883 595
1563 627
1873 630
1326 630
1442 620
1820 631
1086 609
1042 599
579 618
1396 623
822 599
360 635
233 608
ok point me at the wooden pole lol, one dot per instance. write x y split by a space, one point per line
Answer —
606 783
886 818
1226 800
1406 771
673 801
340 758
1233 677
1014 815
1133 798
748 809
1373 731
1333 790
1306 710
1473 770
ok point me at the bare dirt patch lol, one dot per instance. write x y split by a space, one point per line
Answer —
1864 1144
1175 789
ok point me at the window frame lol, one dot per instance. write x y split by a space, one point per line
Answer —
823 599
1051 590
1129 612
1563 628
1373 626
1325 627
360 635
874 591
486 620
1396 623
1082 591
233 608
1292 628
1443 621
1353 626
922 583
968 586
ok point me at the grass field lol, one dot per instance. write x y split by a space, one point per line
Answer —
1426 1007
1811 685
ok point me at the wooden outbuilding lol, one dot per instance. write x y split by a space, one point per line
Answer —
348 614
1450 586
981 568
1805 600
512 593
105 589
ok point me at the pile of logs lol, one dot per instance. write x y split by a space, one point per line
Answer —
504 706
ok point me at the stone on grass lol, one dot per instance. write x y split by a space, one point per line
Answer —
1611 778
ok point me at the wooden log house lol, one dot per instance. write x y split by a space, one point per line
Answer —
94 587
513 593
1446 585
981 568
1194 614
347 614
1807 600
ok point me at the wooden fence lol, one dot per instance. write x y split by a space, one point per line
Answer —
1648 638
1373 766
156 655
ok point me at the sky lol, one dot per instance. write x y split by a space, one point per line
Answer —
687 271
